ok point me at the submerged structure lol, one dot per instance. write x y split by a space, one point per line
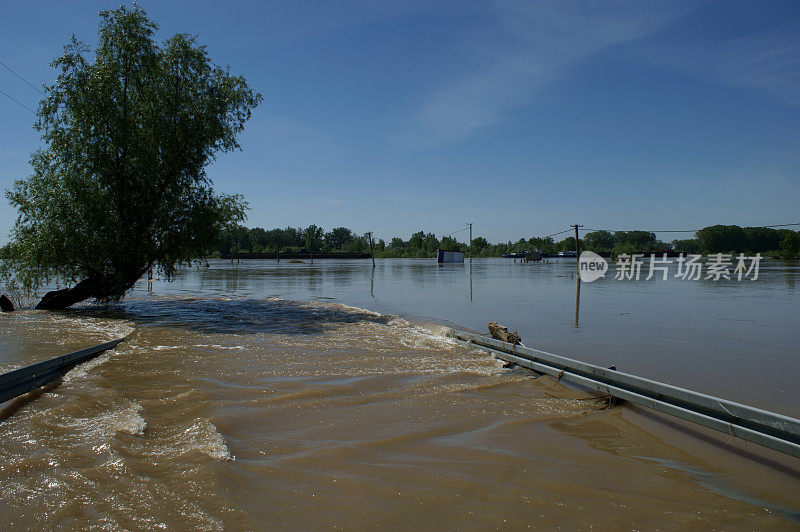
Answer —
443 256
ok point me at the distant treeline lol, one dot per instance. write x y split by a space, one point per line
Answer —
712 239
313 239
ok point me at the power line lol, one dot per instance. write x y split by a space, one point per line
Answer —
556 234
17 101
645 230
23 79
454 232
677 230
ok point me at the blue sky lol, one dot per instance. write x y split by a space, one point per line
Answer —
519 116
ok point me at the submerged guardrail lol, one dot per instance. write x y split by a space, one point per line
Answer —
775 431
23 380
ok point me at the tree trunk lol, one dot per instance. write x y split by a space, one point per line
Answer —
60 299
5 304
97 287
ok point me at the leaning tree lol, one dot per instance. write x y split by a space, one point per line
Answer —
120 184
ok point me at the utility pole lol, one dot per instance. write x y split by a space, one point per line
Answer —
371 249
577 250
470 242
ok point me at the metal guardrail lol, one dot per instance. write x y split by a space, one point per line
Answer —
20 381
776 431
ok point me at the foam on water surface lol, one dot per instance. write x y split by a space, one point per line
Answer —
203 436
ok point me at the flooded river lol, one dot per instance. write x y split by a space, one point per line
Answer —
271 395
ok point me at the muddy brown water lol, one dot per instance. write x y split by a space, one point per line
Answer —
298 396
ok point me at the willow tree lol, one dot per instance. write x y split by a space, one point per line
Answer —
120 184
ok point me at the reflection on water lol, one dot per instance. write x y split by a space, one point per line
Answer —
304 396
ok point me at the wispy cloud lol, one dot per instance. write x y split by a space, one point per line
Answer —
526 47
768 62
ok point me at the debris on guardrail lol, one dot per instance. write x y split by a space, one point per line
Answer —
501 333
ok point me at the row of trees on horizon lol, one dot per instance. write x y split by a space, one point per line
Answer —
312 239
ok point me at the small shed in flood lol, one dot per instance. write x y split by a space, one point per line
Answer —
444 255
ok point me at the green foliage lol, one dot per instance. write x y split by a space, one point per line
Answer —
448 242
735 239
339 238
689 246
636 242
478 245
762 239
422 244
568 244
417 240
312 238
599 241
121 184
722 238
790 245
